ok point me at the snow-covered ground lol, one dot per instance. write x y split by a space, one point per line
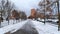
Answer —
5 23
11 22
47 28
12 27
42 28
52 21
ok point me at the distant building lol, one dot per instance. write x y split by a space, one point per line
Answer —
33 12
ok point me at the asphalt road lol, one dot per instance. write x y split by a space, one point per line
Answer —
21 31
27 29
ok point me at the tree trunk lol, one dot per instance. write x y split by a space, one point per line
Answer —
59 26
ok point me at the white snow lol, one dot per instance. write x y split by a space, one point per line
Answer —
53 20
12 27
42 28
5 23
46 28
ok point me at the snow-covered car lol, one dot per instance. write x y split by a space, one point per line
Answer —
48 20
42 20
54 20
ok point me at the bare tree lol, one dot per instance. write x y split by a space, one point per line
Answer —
23 15
58 15
48 7
6 7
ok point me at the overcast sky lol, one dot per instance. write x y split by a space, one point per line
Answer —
26 5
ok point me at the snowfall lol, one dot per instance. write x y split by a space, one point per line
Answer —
42 28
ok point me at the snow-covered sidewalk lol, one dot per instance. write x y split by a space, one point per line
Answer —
46 28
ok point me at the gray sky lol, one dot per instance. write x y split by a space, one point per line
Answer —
26 5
